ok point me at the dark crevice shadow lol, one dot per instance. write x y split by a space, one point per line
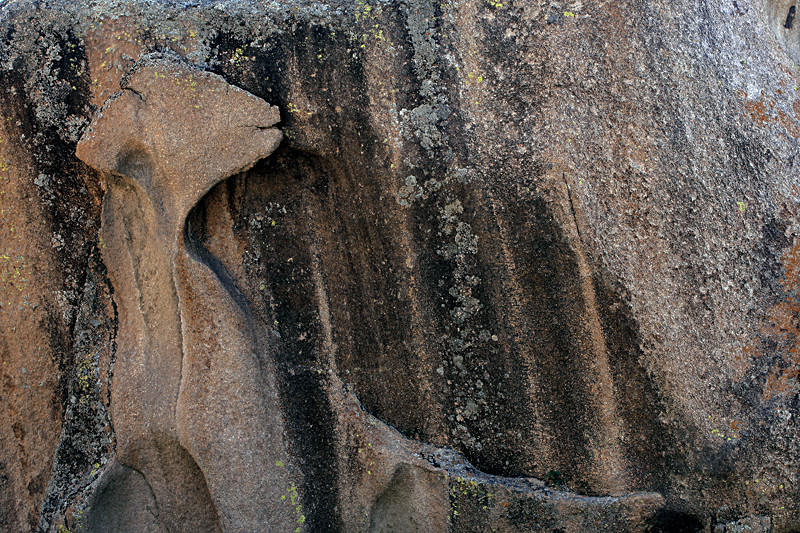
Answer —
667 521
125 502
198 252
288 312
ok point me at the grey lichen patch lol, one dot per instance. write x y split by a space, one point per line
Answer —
414 191
410 192
87 438
422 123
52 71
421 25
469 338
463 244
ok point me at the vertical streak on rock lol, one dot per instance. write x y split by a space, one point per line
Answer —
515 295
557 335
434 421
606 444
324 309
224 410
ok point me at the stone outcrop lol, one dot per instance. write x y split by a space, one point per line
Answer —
470 265
193 390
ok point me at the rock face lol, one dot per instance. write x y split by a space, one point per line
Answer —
457 266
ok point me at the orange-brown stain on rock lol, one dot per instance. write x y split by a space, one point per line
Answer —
30 412
766 112
111 47
742 360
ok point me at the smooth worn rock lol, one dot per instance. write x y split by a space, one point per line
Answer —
412 265
192 391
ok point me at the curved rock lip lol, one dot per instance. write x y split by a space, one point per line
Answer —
178 131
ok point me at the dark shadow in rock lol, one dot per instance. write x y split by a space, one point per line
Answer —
781 20
414 502
286 301
7 499
790 18
122 502
667 521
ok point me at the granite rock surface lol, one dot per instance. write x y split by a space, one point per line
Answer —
397 266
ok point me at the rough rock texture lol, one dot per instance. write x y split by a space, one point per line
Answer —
514 266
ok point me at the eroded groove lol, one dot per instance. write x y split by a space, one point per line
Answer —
288 303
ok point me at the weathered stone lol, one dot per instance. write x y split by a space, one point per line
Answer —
753 524
515 265
191 387
124 502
